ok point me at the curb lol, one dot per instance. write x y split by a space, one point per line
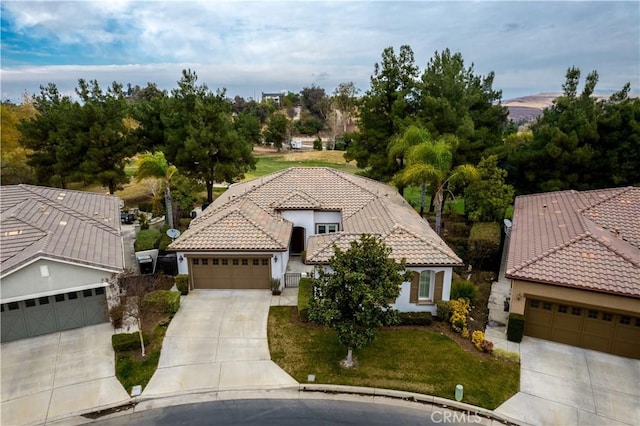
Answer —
299 390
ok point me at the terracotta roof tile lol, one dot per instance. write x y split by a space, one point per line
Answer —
75 226
585 239
367 206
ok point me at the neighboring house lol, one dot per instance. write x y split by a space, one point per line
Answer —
60 250
246 236
574 262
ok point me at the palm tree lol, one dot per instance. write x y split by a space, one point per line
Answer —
400 147
156 165
430 163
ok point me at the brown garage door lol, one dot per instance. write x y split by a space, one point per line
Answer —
582 326
231 272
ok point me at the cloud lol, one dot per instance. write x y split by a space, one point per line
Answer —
255 46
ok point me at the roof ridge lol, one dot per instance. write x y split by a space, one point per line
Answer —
623 190
613 249
343 175
546 253
256 225
79 215
424 240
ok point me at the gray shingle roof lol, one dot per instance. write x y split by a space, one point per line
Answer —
73 226
588 240
367 206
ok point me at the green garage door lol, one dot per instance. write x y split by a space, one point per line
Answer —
34 317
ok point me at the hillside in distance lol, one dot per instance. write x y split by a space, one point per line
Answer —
528 108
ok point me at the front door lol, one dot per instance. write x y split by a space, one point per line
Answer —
297 240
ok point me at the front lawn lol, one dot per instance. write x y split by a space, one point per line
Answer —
413 359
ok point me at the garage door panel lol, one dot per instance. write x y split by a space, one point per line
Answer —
13 322
68 309
40 316
94 306
583 327
232 273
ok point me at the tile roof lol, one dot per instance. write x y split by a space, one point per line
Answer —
588 240
367 206
74 226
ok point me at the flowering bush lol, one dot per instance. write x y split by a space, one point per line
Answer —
465 333
459 314
477 338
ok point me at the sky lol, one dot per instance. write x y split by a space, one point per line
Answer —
252 47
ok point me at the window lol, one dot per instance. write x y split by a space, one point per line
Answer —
215 262
196 261
30 303
256 262
43 300
546 306
327 228
245 262
225 262
86 293
13 306
637 322
607 317
72 296
235 262
99 291
534 303
424 289
59 297
205 262
265 262
562 309
592 314
576 311
625 320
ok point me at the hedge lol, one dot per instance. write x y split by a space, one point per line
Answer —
162 301
515 327
443 310
182 284
147 239
483 251
305 287
415 318
127 341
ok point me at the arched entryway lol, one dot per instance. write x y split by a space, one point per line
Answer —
296 245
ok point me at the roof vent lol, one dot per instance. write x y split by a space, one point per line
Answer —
13 233
63 223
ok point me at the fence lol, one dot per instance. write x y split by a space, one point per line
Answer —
292 279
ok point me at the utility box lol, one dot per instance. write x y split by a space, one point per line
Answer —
145 262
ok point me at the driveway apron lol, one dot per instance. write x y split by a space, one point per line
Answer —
567 385
58 375
218 341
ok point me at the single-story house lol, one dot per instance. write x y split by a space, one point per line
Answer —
60 251
574 264
246 236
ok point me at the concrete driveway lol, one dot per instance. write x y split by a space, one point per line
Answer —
566 385
57 375
218 341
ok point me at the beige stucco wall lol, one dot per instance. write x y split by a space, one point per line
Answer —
27 282
520 290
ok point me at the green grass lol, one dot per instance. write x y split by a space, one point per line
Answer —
414 360
270 164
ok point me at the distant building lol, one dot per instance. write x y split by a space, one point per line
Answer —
276 97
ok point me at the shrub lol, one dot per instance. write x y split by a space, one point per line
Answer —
477 338
459 245
443 310
145 207
459 315
182 284
147 239
487 346
164 242
463 289
303 256
127 341
465 333
484 245
415 318
161 301
116 314
515 327
317 144
275 285
305 287
508 356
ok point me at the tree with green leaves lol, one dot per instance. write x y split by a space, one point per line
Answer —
431 163
316 101
51 137
385 110
399 149
156 166
13 156
248 127
277 131
454 100
104 134
201 139
148 106
344 99
352 295
486 199
580 142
